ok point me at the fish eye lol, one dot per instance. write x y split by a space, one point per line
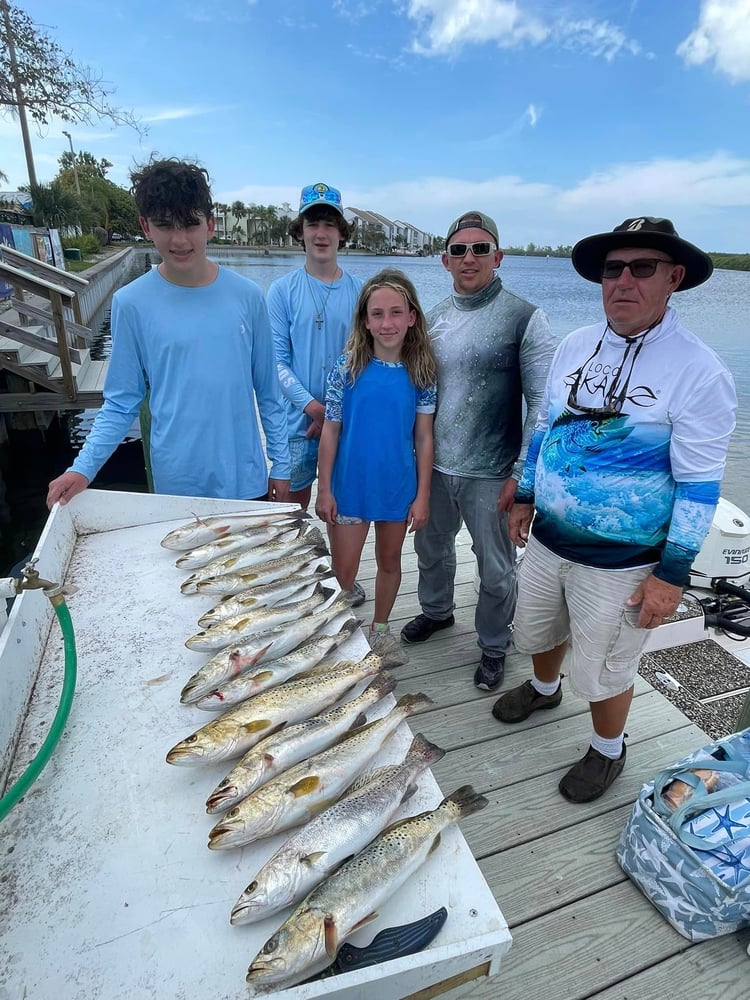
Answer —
224 783
271 945
233 812
192 739
252 887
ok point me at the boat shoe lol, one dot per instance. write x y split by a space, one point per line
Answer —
422 627
591 776
518 703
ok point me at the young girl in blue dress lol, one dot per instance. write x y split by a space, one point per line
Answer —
376 451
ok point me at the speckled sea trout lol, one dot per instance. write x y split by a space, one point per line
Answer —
312 785
209 529
287 542
239 729
275 672
310 938
267 645
275 569
319 847
293 744
237 630
250 538
266 596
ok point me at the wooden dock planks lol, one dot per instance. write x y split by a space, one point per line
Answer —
580 928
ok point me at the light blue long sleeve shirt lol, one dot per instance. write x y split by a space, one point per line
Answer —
206 354
306 351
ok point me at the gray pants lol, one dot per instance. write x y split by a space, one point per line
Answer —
454 499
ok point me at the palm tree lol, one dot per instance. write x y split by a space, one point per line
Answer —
272 218
53 205
239 212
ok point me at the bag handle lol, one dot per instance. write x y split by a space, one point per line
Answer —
686 773
726 796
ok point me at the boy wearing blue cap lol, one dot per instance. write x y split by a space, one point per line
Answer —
311 311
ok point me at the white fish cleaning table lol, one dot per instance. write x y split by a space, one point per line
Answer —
107 888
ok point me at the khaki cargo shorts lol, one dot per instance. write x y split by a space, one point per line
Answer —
560 600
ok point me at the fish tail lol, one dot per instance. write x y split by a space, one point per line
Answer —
413 703
383 684
391 654
423 750
465 801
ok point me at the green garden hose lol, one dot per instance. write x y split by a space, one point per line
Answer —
16 792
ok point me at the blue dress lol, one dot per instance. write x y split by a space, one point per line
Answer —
375 472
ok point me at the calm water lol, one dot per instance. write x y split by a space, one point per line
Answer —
717 312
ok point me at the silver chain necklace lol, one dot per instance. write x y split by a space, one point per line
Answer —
320 310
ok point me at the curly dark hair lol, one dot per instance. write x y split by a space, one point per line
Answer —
315 214
172 191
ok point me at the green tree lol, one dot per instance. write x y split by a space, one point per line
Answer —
54 205
239 212
86 164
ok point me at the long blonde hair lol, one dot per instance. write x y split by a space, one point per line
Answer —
416 351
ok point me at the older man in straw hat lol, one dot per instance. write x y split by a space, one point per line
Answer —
623 472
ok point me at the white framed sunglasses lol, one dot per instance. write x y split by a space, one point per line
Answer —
481 249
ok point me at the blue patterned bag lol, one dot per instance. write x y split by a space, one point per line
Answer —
692 861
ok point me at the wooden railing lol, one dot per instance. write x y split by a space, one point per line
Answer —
59 289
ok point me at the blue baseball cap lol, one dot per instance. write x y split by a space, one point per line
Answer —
320 194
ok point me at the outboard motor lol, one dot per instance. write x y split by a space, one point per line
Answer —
723 567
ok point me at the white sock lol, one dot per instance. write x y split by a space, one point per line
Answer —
542 687
608 748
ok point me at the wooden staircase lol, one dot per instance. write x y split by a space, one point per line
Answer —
43 344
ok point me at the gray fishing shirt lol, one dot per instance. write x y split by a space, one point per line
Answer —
493 351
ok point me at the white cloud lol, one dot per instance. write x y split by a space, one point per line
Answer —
722 37
661 186
597 38
454 23
176 114
708 200
448 25
533 114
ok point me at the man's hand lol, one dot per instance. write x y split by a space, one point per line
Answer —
519 523
658 600
278 490
505 498
316 412
65 487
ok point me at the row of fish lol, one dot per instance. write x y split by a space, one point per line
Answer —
347 899
279 683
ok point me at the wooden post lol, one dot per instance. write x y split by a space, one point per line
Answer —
62 342
77 311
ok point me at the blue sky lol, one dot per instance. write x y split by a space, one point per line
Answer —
560 118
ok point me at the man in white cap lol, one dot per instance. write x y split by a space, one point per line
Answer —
623 476
493 350
311 311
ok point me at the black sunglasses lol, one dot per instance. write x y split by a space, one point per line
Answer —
641 267
478 249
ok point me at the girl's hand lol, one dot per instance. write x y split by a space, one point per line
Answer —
419 515
325 506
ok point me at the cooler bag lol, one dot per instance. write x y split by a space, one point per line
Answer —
686 844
